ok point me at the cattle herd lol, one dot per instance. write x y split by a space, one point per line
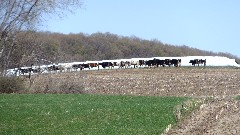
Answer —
104 64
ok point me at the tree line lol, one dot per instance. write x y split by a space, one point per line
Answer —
46 47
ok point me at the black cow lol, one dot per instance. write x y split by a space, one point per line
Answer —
150 63
168 62
106 64
85 66
141 62
80 66
121 64
176 62
25 70
203 62
155 62
124 64
198 61
28 71
77 66
53 68
160 62
36 70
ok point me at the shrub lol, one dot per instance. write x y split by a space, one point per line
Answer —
62 83
11 84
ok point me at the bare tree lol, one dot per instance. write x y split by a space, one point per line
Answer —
22 15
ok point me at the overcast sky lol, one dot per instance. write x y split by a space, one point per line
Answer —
211 25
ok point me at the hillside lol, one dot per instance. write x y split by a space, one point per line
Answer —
46 47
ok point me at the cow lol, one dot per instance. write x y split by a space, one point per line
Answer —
61 67
77 66
37 70
135 63
26 70
150 63
193 62
141 62
120 64
85 66
203 62
123 64
106 64
127 64
56 67
52 67
168 62
92 65
176 62
160 62
198 61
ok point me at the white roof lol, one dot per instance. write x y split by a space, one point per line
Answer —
163 58
110 61
142 58
93 61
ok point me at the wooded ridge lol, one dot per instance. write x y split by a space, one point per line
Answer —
46 47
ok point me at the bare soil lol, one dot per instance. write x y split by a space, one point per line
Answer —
220 116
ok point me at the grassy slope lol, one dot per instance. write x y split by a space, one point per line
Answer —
81 114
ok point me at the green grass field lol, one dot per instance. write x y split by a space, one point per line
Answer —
85 114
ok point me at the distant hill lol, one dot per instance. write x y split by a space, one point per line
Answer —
56 47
